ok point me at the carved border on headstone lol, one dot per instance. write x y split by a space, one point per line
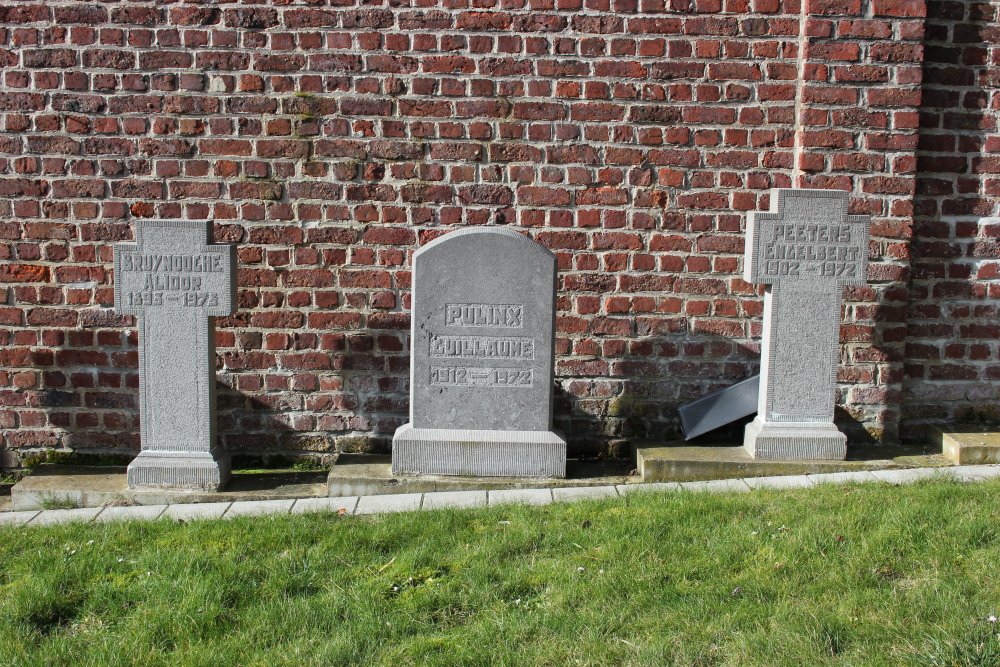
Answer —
779 196
225 307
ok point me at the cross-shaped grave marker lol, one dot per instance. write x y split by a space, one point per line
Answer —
805 249
176 282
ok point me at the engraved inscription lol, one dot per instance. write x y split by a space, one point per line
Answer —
155 279
194 299
472 376
156 263
500 315
811 249
481 347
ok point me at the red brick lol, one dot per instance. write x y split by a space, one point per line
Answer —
23 273
367 18
479 21
900 8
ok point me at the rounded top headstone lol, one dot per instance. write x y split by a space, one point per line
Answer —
524 240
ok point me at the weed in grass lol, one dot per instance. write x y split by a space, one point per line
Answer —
309 465
59 503
979 646
12 477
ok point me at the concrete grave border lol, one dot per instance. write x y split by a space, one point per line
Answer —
429 501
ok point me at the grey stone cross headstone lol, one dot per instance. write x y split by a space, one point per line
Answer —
176 282
806 249
481 368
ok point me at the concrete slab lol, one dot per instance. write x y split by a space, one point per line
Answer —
454 500
779 482
312 505
83 486
403 502
909 476
974 473
716 486
843 477
365 475
520 497
17 518
583 493
652 487
195 511
79 514
683 463
967 443
258 508
93 486
142 512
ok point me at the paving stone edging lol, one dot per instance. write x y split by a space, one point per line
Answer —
410 502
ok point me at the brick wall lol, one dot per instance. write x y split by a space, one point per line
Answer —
952 360
330 139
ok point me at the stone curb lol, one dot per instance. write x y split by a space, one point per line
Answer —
412 502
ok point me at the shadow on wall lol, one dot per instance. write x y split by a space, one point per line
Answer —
869 376
83 406
635 396
610 403
952 332
293 393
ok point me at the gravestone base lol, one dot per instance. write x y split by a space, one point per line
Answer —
677 461
432 451
207 471
794 441
967 443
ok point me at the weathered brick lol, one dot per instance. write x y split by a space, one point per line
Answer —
478 21
195 15
251 18
109 59
368 18
50 58
24 273
80 13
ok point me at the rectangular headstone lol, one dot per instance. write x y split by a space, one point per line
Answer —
175 281
481 370
805 250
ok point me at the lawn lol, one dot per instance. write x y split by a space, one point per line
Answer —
834 575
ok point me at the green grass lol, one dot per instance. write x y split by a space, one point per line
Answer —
856 575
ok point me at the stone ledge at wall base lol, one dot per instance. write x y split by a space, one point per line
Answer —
478 453
680 462
182 471
366 475
93 486
787 441
53 485
967 443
